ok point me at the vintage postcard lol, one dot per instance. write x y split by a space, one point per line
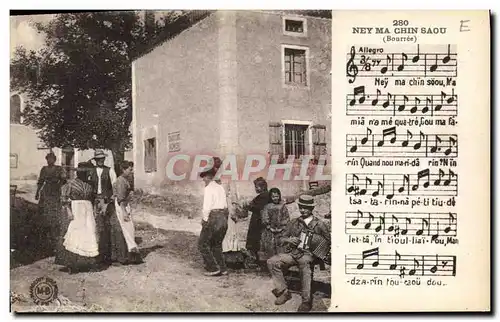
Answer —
249 161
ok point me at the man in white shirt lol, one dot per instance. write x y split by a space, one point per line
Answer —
214 225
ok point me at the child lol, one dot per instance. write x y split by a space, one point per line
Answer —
275 217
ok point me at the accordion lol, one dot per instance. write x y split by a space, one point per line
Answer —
317 245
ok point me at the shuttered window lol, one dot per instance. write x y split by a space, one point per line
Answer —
295 67
150 155
318 133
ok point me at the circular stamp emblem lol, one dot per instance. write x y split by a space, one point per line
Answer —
43 290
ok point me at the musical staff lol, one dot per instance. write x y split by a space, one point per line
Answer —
372 262
423 183
434 63
392 144
386 104
434 225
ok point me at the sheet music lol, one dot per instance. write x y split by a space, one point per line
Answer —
410 216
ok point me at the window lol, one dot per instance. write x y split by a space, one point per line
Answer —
15 109
295 140
150 155
295 66
295 26
13 160
174 141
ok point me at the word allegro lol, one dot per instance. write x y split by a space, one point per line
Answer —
301 168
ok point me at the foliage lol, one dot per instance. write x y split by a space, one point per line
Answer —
78 86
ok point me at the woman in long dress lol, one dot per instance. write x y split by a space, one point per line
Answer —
79 249
124 249
48 194
275 218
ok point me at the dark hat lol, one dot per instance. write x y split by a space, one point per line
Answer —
210 172
306 201
50 155
99 154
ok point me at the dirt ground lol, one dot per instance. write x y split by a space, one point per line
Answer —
170 280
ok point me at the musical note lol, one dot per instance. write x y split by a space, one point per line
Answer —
440 175
375 101
451 174
403 106
386 103
435 65
391 227
416 264
403 60
426 107
418 145
450 220
406 180
363 191
377 192
352 69
435 267
436 235
421 230
451 141
356 221
390 196
414 109
369 253
447 58
354 148
388 132
358 91
381 225
417 56
435 147
422 174
388 60
352 188
407 221
409 135
365 139
396 257
370 219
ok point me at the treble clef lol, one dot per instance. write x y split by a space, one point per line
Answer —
352 69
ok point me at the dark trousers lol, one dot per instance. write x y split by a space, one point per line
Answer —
103 229
280 263
210 243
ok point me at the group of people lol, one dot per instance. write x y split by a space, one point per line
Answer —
89 217
273 239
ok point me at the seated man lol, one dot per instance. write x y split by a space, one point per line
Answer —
298 253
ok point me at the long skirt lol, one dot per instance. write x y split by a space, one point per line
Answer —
79 247
122 237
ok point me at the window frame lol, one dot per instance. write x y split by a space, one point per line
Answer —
308 145
283 69
292 33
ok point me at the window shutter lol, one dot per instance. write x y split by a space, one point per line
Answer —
276 140
319 141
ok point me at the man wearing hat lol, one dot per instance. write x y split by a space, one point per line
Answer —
297 253
102 179
214 225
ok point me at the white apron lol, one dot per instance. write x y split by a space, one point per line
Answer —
127 227
81 237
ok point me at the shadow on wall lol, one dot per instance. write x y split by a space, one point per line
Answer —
28 231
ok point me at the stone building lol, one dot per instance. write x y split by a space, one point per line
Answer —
234 82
